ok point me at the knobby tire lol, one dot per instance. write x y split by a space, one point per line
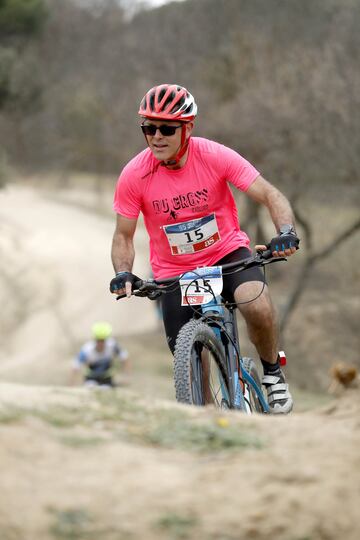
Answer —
190 370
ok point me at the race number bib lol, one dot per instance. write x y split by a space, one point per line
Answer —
201 286
192 236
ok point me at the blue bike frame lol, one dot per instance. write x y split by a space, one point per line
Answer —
232 354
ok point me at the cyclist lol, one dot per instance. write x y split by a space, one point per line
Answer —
180 184
97 357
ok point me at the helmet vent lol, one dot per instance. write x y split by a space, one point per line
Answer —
162 94
151 102
178 105
169 100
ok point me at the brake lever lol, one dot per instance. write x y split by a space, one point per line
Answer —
145 289
260 261
266 256
274 260
142 294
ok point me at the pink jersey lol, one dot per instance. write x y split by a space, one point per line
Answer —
190 213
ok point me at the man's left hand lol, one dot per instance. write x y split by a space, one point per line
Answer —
286 243
283 245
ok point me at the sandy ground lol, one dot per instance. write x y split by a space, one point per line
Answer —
167 471
79 465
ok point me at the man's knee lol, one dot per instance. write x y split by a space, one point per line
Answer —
255 303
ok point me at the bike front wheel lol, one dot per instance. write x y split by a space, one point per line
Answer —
200 373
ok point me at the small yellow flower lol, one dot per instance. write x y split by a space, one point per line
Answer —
223 422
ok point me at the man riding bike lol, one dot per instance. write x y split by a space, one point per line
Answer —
97 357
180 184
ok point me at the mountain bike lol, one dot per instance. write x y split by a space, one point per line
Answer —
208 365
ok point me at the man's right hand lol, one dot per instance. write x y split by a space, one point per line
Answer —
122 283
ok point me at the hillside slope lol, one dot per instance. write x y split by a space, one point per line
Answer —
78 464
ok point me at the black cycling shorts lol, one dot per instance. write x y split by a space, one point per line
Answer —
175 315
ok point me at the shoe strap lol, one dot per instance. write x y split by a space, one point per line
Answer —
270 379
280 387
279 397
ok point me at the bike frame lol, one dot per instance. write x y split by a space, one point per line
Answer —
217 315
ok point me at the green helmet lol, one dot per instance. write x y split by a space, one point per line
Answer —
101 330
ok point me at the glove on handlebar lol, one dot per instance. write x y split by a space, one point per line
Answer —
153 295
118 282
284 241
148 290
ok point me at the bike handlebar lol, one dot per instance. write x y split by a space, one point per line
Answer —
151 286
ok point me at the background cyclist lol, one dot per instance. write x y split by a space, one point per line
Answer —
96 360
180 184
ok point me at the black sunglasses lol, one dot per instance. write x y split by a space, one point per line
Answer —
165 129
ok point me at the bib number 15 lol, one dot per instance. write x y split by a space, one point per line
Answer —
194 235
201 286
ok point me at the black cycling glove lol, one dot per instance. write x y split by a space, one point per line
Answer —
118 282
285 240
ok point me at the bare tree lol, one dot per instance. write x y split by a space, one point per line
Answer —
312 257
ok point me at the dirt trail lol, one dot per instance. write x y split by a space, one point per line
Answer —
76 464
54 282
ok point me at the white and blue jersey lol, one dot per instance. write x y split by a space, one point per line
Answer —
99 364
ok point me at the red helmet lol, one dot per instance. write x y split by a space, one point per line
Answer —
168 102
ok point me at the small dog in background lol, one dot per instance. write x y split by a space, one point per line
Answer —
343 376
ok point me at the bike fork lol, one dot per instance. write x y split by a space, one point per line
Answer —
241 394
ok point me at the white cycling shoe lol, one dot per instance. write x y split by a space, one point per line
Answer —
279 398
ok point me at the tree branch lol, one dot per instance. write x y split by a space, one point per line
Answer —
310 260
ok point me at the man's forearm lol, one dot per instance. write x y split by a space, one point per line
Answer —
262 192
122 253
280 209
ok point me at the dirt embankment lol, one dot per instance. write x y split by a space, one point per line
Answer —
81 464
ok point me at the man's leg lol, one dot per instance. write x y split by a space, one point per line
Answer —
174 315
260 318
262 326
